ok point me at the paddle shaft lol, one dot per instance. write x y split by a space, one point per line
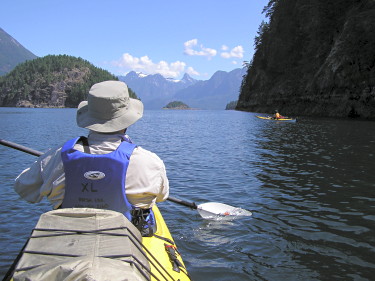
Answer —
183 203
39 153
21 147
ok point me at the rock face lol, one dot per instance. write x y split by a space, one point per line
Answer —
315 58
54 94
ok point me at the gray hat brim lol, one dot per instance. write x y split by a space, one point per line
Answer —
128 116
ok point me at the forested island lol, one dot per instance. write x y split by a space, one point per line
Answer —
176 105
313 58
51 81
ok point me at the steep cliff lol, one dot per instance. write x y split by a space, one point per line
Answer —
314 58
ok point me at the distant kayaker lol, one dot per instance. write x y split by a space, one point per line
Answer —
277 115
105 170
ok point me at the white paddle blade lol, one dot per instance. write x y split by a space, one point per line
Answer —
214 210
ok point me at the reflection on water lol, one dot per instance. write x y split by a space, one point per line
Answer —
313 173
310 186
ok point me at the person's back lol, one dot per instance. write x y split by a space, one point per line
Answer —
277 115
137 177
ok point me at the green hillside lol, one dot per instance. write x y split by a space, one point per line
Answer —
51 81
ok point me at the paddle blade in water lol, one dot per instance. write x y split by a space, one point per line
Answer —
214 210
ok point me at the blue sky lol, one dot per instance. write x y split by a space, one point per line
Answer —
197 37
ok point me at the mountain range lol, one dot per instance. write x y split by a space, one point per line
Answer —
155 91
12 53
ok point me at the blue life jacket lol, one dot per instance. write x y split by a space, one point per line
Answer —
96 180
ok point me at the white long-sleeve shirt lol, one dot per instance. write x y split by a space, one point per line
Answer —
146 178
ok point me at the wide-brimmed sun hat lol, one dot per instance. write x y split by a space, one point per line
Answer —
109 108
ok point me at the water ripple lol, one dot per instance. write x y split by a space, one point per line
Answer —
310 186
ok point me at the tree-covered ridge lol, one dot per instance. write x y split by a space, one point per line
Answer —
51 81
177 105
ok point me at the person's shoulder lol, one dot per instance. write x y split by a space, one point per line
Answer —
146 158
140 151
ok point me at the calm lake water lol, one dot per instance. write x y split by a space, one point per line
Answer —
310 186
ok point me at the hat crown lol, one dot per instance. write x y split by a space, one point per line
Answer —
106 100
108 108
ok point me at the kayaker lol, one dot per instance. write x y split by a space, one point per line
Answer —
277 115
94 172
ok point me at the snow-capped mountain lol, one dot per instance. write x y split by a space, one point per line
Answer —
155 91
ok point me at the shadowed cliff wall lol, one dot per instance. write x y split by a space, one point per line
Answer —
314 58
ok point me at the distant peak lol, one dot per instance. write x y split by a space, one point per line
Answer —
187 78
140 74
133 74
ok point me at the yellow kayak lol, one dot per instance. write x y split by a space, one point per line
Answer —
93 244
280 119
161 246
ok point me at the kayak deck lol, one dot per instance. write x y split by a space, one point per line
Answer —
77 243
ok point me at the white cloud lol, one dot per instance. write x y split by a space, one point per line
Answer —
236 52
191 71
224 48
202 51
144 64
